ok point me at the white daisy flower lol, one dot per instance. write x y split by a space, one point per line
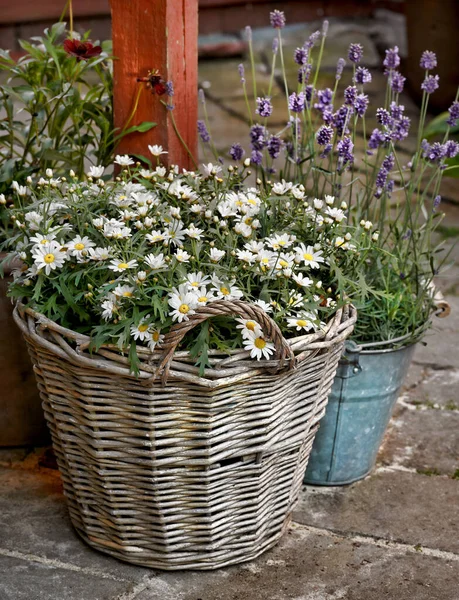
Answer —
156 339
285 262
259 347
203 296
318 204
226 290
33 219
49 256
146 174
330 200
302 321
246 256
211 169
196 280
155 261
142 330
194 232
175 233
249 328
42 239
282 188
183 303
79 246
108 309
96 172
100 253
280 241
124 161
119 266
155 236
266 259
254 246
336 214
182 256
21 190
157 150
141 276
309 256
160 171
302 280
216 255
264 305
124 291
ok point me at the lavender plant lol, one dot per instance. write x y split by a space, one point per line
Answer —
398 200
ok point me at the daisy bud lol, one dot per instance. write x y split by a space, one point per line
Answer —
72 173
64 178
208 214
375 236
216 219
343 205
231 168
23 255
2 199
348 236
362 223
49 173
29 180
259 181
319 285
247 162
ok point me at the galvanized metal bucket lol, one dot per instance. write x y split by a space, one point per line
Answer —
360 405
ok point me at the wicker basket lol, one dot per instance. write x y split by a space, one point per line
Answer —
193 472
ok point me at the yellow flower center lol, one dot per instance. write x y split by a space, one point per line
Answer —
143 327
260 343
248 220
252 202
49 258
127 294
79 246
155 336
265 261
281 243
202 299
283 263
301 323
308 256
123 265
225 291
184 308
122 197
195 284
251 325
44 242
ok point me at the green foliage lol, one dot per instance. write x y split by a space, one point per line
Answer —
58 111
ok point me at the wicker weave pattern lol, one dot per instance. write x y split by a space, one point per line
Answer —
198 472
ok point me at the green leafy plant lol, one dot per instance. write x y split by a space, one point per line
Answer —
56 103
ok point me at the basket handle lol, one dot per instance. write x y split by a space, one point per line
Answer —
230 308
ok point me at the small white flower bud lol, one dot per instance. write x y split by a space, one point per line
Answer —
49 173
247 162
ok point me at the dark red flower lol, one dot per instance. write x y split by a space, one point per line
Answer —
81 50
154 82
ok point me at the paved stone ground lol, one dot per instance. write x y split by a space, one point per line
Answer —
392 536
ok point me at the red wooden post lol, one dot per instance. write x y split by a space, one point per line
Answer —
163 35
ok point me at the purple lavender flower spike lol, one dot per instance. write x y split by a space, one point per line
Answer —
341 119
428 60
277 19
295 124
453 114
361 104
401 129
241 72
296 102
339 68
430 84
362 75
169 88
383 117
256 157
325 99
436 203
203 132
312 40
397 81
274 146
326 151
345 156
350 94
275 45
264 107
392 60
236 152
324 135
308 92
396 110
304 74
301 56
381 178
434 152
451 149
406 236
376 139
258 135
355 53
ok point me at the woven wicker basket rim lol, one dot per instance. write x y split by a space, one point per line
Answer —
226 367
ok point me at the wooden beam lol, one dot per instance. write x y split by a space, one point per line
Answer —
163 35
27 11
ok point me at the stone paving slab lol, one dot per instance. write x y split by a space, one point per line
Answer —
311 565
34 520
28 580
394 505
436 390
424 440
